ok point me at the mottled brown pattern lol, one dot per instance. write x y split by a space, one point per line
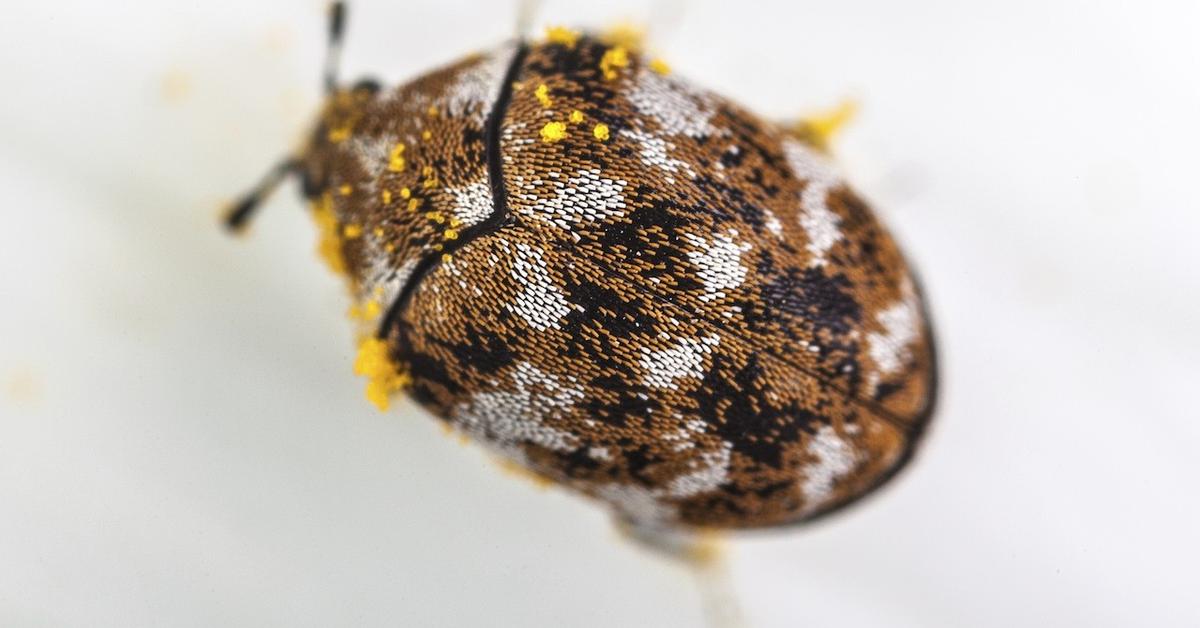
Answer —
403 210
692 318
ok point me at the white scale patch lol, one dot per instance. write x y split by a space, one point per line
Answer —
685 359
834 459
719 263
901 323
651 507
383 278
818 221
478 86
678 108
509 417
372 155
713 471
585 197
472 202
653 151
541 303
773 224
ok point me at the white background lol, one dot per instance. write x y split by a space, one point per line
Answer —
182 442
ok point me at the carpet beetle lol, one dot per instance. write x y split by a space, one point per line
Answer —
621 282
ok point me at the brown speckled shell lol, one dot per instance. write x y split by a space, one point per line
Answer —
695 320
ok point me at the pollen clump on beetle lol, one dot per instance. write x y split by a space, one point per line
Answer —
601 132
660 66
329 241
384 377
366 312
396 161
542 93
576 116
553 132
562 35
628 35
613 59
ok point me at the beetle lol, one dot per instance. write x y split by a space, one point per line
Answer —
624 283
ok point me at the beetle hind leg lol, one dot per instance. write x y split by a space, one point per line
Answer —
820 128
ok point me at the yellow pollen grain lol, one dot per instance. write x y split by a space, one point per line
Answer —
660 66
351 231
553 132
542 93
405 193
437 246
628 35
339 134
387 196
450 234
822 127
366 312
345 190
396 158
432 111
414 204
454 222
576 116
616 57
562 35
378 231
329 243
600 132
384 377
425 135
446 257
435 216
389 247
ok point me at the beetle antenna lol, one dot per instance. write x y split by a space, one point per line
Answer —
337 26
526 12
239 215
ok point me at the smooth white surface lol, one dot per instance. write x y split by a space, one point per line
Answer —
182 442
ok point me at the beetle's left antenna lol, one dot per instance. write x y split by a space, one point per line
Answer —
337 26
237 217
240 214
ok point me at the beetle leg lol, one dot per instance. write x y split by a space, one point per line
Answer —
819 129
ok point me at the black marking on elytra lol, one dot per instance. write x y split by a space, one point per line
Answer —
914 430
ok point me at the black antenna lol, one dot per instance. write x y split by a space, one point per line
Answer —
337 25
237 217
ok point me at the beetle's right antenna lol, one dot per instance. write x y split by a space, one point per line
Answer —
526 12
337 26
